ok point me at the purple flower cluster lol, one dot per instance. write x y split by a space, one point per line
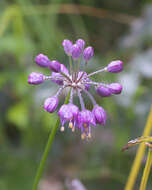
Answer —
78 82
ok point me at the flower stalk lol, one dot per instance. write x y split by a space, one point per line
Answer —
47 149
140 153
146 170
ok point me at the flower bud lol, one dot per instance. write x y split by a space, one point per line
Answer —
55 66
115 88
51 104
100 115
103 91
115 66
80 43
42 60
35 78
67 44
76 51
88 53
54 75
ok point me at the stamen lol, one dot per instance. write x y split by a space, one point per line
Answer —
73 129
81 100
89 135
83 136
85 125
62 128
96 72
71 125
80 77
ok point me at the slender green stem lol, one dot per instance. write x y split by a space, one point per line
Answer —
70 63
146 170
47 149
140 153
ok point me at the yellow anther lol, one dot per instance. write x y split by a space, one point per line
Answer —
85 125
62 128
89 135
71 125
73 129
83 136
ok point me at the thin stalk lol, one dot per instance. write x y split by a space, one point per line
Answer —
70 63
146 170
81 100
139 155
90 96
96 72
46 150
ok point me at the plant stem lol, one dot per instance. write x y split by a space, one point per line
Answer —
70 63
47 149
146 170
139 155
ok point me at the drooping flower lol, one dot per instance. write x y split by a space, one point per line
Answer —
99 114
85 120
68 113
78 82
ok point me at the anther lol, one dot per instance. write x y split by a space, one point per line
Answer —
83 136
71 125
73 129
62 128
89 135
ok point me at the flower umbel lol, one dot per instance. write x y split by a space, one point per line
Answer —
79 83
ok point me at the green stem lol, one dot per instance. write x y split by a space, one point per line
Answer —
70 63
47 149
146 170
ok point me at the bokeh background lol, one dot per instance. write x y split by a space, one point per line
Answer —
117 30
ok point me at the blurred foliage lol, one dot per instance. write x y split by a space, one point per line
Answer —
30 27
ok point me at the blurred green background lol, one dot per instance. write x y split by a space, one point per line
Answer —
117 30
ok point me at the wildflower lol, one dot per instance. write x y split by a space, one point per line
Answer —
79 83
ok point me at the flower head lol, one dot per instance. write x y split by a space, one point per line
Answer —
99 114
79 83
